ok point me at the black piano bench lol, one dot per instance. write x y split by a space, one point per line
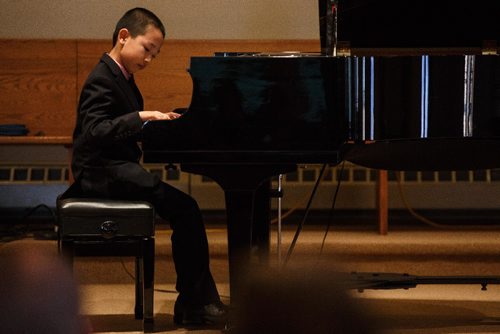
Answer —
101 227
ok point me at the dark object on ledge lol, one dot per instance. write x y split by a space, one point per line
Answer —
13 130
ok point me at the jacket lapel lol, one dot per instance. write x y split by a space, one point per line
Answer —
129 88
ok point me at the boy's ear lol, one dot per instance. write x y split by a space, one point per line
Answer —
123 34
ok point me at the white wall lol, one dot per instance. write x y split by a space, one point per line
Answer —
184 19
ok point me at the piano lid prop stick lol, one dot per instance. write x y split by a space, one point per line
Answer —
334 11
331 27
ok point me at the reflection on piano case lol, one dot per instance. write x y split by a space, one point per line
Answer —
424 112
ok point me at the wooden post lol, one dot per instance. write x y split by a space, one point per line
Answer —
382 202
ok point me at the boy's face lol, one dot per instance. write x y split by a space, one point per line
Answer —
137 52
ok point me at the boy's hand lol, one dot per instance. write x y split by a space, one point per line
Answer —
158 116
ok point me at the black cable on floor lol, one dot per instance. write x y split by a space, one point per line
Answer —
308 207
332 208
16 233
132 276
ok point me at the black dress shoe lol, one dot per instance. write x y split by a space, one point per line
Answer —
211 314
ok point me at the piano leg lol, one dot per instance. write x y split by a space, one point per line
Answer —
241 185
261 218
239 213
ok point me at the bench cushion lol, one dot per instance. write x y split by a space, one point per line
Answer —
104 218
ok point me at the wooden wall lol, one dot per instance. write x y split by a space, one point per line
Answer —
40 80
38 84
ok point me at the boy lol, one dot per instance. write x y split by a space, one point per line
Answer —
106 160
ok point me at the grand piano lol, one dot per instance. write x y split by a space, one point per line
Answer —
398 85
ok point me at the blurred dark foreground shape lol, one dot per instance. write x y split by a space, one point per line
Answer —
299 300
38 294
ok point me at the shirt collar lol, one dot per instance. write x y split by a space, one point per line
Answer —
124 71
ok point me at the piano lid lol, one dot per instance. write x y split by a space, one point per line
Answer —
412 24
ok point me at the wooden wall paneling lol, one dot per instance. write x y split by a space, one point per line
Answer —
41 80
88 54
37 85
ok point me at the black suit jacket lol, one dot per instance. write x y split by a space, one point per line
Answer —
105 151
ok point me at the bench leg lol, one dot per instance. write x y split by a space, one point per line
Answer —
66 249
139 287
149 271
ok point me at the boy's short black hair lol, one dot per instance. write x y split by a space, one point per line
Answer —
136 21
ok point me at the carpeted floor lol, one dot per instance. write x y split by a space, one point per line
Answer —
107 288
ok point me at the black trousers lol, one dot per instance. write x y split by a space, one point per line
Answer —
195 283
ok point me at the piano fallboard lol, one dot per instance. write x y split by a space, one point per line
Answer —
241 157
